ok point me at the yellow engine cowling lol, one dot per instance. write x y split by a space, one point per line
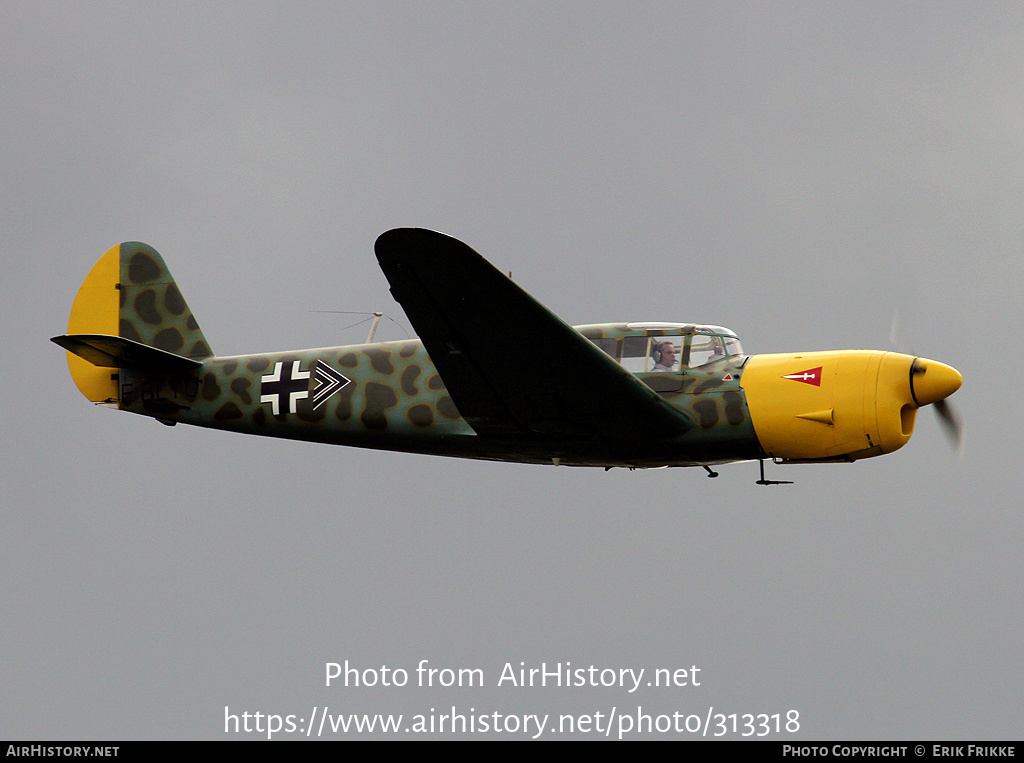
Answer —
840 405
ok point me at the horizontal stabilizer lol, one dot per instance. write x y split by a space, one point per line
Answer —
108 351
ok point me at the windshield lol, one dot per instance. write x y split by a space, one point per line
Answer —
670 348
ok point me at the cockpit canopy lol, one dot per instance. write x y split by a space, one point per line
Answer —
663 347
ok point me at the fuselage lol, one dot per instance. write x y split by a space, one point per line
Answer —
817 406
635 395
389 396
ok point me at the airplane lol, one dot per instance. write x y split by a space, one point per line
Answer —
494 375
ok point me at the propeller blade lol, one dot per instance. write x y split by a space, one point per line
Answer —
944 381
950 422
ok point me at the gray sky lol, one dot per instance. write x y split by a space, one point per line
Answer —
798 172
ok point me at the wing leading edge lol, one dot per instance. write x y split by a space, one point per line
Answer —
511 366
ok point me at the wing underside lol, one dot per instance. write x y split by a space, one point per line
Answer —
511 366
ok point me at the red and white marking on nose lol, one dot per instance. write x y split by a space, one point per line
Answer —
810 376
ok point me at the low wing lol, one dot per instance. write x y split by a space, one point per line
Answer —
511 365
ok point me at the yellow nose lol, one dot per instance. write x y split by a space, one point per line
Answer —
931 381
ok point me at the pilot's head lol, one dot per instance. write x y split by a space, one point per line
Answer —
665 353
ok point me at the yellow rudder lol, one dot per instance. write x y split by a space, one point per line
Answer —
96 310
129 313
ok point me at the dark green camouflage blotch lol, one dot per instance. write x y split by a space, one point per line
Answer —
708 412
711 383
379 397
200 350
169 340
240 386
421 415
142 268
380 360
173 300
343 408
211 389
446 407
145 307
228 412
127 329
409 376
733 407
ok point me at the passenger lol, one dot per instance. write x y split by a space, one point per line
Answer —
664 356
707 352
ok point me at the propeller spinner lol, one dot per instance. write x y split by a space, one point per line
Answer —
932 382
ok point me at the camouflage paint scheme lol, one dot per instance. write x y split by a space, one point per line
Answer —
152 310
396 400
546 393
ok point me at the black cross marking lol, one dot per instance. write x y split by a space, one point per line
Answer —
285 387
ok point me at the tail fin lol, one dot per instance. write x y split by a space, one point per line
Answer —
130 294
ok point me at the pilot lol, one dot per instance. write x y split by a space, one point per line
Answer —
664 356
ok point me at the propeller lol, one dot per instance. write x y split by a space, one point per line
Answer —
949 420
951 424
931 383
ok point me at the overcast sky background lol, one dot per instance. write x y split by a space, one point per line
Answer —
800 173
